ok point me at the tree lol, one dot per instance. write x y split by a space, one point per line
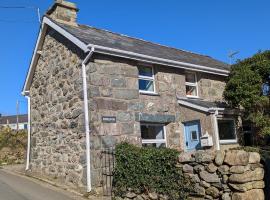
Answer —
244 90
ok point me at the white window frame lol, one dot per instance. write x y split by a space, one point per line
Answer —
193 85
140 77
230 141
155 141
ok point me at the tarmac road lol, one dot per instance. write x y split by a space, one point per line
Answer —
16 187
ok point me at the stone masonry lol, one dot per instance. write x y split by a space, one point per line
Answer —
58 136
57 117
58 139
229 175
113 91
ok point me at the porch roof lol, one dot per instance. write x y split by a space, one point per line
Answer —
205 106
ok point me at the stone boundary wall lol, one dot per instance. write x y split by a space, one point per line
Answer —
229 175
219 175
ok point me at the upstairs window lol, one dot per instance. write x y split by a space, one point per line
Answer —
191 85
153 135
146 80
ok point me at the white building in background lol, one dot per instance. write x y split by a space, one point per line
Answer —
13 121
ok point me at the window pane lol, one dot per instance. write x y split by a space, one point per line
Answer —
146 85
152 132
226 130
157 145
145 71
190 77
191 90
194 135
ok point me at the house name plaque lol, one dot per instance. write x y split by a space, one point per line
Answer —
108 119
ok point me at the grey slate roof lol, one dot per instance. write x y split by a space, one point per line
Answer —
12 119
206 104
91 35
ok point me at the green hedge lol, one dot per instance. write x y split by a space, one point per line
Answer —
144 170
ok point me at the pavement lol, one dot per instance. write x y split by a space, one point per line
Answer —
18 187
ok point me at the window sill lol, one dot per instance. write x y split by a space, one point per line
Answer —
148 93
147 141
228 142
192 97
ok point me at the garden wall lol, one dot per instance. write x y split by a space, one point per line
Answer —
234 174
229 175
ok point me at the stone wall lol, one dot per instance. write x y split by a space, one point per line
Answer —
229 175
113 91
57 138
211 87
206 121
58 135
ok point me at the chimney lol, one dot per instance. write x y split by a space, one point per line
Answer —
64 12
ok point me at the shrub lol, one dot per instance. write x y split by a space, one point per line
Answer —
12 146
244 90
144 170
13 139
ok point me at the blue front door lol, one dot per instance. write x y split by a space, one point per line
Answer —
192 135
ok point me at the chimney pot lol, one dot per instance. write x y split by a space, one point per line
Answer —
64 12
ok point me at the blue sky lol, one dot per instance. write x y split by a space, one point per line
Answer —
208 27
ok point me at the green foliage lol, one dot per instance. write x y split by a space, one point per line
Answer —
12 146
244 90
12 139
149 170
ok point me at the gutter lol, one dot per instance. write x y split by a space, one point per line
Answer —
86 119
115 52
156 60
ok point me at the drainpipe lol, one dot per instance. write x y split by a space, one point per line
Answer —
216 129
28 130
86 119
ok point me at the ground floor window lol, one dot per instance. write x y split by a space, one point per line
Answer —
153 135
226 130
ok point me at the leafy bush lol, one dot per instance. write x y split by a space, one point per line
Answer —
244 90
144 170
12 146
12 139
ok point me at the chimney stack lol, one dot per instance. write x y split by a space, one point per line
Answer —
64 12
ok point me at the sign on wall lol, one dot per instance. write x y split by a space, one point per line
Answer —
108 119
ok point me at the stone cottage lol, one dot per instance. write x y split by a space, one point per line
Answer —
89 89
